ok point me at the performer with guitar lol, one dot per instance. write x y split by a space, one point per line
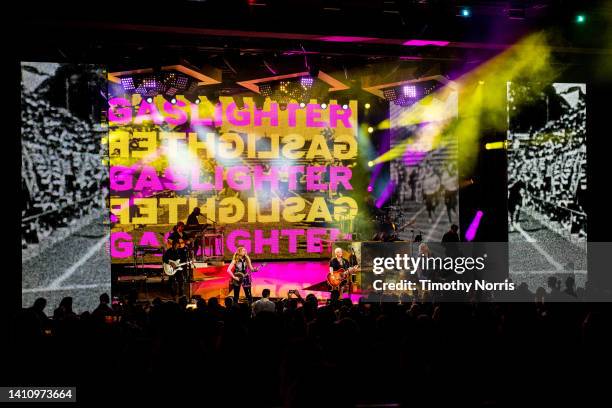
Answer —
339 271
176 256
238 270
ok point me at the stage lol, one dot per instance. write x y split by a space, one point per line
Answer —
212 280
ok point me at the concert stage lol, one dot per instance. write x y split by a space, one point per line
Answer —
212 281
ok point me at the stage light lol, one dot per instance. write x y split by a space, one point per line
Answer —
213 98
370 163
409 91
307 81
580 18
259 101
480 82
370 129
497 145
367 106
170 99
149 99
128 84
470 234
302 105
464 12
323 105
239 101
265 90
193 98
370 188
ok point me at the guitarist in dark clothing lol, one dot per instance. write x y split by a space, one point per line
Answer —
240 263
178 279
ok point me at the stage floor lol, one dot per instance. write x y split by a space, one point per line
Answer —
278 276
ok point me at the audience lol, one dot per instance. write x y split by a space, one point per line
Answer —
293 352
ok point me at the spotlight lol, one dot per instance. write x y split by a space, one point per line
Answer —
464 12
480 82
370 188
370 129
265 90
302 105
149 99
259 101
307 81
323 105
171 99
128 84
367 106
409 91
213 98
580 18
239 101
193 98
370 163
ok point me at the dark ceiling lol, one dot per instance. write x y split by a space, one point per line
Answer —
248 39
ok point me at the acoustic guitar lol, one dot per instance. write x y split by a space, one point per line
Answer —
242 277
182 243
335 278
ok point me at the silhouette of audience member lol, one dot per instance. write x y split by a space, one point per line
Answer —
64 311
103 309
554 285
570 287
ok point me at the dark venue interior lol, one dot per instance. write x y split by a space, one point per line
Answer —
500 94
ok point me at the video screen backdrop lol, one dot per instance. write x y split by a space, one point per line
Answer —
277 180
64 184
424 178
547 184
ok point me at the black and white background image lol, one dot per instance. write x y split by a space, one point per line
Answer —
64 230
547 182
424 177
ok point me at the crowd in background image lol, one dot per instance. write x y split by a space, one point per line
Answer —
550 165
63 174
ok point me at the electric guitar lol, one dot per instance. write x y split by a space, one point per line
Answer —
173 267
335 278
244 276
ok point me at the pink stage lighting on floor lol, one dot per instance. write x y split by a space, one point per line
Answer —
423 43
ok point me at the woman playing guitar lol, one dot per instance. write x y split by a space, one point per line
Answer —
240 263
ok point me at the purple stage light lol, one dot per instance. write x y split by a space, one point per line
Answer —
307 81
128 84
471 231
385 195
370 189
409 91
346 39
423 43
